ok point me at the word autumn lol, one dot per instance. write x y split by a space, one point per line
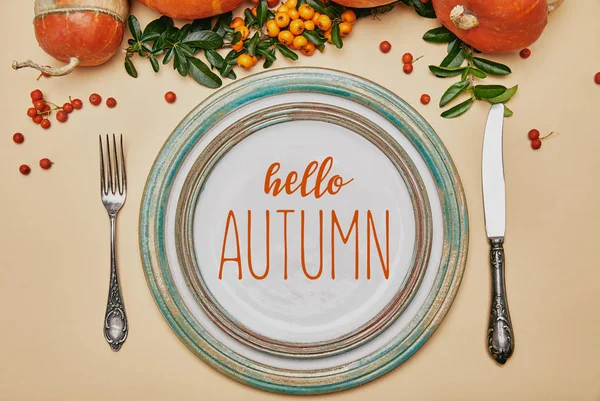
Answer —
314 182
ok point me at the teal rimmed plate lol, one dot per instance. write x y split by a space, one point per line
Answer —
321 284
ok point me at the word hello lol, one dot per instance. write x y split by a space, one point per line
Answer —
318 187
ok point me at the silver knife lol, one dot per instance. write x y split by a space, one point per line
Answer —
501 341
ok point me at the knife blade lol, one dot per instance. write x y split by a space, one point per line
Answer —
500 331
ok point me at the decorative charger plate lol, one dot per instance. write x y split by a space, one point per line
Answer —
303 231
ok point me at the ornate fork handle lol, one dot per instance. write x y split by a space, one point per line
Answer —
115 321
500 332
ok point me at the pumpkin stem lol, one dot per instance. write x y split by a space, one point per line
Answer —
553 5
55 72
463 19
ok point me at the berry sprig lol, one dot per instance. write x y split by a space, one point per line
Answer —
42 109
536 140
408 60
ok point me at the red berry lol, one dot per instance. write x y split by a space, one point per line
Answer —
408 68
31 112
24 169
536 144
170 97
62 116
37 119
425 98
111 102
77 104
45 123
95 99
533 135
597 78
407 58
425 1
385 46
36 95
18 138
68 107
39 105
46 109
45 163
525 53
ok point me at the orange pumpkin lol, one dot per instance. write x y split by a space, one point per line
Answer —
495 26
191 9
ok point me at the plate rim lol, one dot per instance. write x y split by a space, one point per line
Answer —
452 198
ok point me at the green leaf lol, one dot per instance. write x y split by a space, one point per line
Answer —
454 44
183 32
203 40
268 54
134 27
491 67
336 38
181 63
507 112
424 9
155 65
214 58
232 56
505 97
478 73
465 74
458 110
223 21
202 74
454 59
252 43
261 12
314 37
317 5
250 19
170 35
203 24
169 56
444 72
453 92
158 26
488 91
439 35
226 70
130 68
150 37
285 51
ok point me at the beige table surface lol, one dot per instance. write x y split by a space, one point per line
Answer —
54 262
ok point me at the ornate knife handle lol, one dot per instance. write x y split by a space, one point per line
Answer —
115 320
501 341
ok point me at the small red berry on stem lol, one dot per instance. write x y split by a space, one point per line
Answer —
77 104
525 53
536 144
68 107
408 68
31 112
37 119
425 98
407 58
46 109
36 95
18 137
39 105
45 123
45 163
111 102
62 116
385 46
597 78
95 99
533 134
170 97
24 169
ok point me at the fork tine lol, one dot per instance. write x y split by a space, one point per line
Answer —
102 183
109 163
118 187
124 176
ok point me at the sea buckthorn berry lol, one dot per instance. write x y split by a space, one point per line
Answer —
306 12
24 169
385 46
283 9
349 16
533 134
308 49
408 68
45 124
77 104
170 97
62 116
327 35
286 38
243 29
245 61
37 119
237 21
345 28
111 102
309 25
407 58
68 107
425 98
31 112
525 53
282 19
95 99
272 28
45 163
597 78
296 27
253 11
536 144
300 42
254 60
291 4
37 95
293 14
315 17
239 45
39 105
324 23
18 138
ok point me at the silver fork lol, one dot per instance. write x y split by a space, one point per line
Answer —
113 188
